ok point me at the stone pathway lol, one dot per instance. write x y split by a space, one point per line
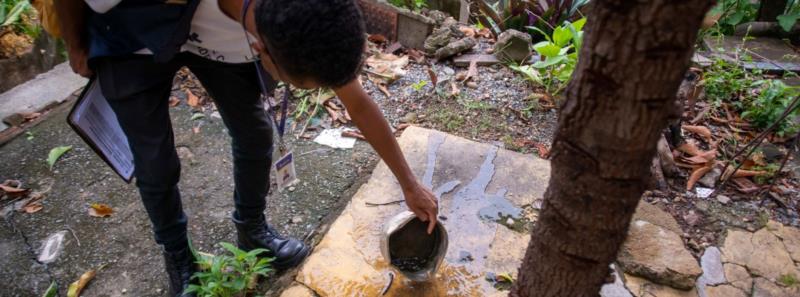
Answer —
655 263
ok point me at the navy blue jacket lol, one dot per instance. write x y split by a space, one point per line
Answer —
159 25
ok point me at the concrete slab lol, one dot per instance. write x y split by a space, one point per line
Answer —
347 262
52 86
769 54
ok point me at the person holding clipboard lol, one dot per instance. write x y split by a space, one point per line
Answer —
133 48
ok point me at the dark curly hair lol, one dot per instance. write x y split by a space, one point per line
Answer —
321 40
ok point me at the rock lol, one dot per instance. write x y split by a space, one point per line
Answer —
658 254
723 199
513 45
185 153
510 221
643 288
298 290
762 253
765 288
724 291
738 277
472 85
438 39
14 119
615 289
772 153
710 179
297 220
456 47
711 264
410 117
437 16
651 213
692 218
790 237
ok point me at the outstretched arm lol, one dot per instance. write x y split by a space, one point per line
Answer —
369 119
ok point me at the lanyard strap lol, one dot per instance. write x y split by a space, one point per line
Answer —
262 83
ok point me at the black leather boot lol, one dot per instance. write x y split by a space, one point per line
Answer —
254 234
180 268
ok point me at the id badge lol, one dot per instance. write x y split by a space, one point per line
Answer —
284 171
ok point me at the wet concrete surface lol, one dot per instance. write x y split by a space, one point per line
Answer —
348 262
124 242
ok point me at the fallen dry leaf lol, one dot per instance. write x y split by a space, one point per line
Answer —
76 287
389 67
485 33
702 131
377 38
544 152
192 99
384 90
33 207
353 134
416 55
468 31
454 91
473 70
100 210
402 127
433 77
697 174
13 189
744 185
702 158
689 148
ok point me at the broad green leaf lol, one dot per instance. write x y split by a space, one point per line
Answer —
787 21
735 18
51 291
529 72
550 62
561 36
56 153
547 49
540 31
578 25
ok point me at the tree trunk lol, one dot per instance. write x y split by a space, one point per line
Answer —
633 59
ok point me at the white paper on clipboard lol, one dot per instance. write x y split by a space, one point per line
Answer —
94 120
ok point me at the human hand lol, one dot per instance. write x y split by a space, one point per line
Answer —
423 204
79 61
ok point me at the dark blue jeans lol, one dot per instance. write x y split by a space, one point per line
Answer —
138 90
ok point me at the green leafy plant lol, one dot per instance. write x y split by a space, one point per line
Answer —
773 98
419 85
415 5
732 13
560 56
11 10
545 15
724 80
228 275
790 15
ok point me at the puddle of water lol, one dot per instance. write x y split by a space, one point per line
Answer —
473 217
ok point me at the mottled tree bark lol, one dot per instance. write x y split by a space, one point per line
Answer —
634 56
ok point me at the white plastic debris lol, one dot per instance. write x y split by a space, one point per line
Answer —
52 247
333 138
703 192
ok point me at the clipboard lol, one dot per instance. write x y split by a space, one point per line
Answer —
96 123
